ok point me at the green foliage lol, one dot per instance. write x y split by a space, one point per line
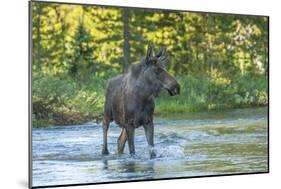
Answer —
221 61
197 42
193 96
199 94
81 54
63 101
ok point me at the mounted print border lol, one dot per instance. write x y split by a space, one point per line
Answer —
126 94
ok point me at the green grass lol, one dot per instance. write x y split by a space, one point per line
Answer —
64 100
199 93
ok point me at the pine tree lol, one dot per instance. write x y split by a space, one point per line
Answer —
126 35
81 58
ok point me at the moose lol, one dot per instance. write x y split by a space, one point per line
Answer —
129 99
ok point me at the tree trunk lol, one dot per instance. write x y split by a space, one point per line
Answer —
39 53
206 57
126 48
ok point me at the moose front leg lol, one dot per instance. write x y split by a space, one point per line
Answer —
149 133
131 135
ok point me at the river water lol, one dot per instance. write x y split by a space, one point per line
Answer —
189 144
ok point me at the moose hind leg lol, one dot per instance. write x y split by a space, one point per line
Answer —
121 141
105 126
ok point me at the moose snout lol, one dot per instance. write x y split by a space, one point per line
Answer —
177 89
173 89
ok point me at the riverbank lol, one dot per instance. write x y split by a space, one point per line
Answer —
66 101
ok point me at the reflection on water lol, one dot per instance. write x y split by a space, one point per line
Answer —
190 144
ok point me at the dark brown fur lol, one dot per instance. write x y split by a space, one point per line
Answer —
130 99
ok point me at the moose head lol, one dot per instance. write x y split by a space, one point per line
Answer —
155 74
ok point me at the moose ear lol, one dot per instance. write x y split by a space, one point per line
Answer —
163 57
149 52
162 52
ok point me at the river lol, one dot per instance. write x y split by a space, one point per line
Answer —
187 145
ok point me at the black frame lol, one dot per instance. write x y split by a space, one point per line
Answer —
30 47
